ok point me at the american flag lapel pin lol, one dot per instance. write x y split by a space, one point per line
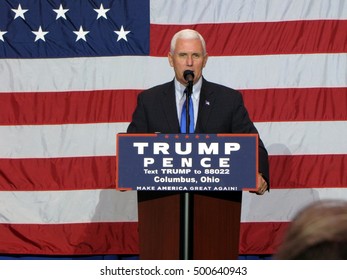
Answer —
207 102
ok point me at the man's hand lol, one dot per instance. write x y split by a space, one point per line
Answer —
262 185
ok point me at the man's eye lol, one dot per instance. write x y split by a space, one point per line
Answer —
182 55
196 55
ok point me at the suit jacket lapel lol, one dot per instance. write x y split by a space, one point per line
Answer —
168 102
206 104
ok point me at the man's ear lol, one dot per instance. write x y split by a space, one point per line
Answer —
205 60
169 56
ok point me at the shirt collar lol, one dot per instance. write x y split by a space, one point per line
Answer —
179 88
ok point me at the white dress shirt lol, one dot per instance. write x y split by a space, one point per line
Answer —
181 98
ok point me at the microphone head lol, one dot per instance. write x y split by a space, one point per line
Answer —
188 75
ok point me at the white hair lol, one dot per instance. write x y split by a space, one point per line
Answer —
187 34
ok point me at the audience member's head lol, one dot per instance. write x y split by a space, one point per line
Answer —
318 232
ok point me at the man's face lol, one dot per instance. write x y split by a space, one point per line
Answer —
188 55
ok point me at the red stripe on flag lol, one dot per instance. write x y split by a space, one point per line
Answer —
296 104
67 107
309 171
48 174
69 239
261 237
264 105
257 38
287 171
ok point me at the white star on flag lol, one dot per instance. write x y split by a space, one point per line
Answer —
101 12
19 12
40 34
2 33
61 12
81 34
122 34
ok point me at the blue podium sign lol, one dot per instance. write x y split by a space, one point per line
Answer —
187 162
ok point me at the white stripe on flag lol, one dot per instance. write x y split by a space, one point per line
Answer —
223 11
69 140
304 138
281 205
55 207
75 140
286 71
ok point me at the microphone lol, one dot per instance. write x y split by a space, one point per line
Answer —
188 75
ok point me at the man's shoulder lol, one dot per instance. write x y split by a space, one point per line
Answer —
221 89
158 88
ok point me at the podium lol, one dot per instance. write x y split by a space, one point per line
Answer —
189 189
216 225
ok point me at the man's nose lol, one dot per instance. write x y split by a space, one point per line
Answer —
189 60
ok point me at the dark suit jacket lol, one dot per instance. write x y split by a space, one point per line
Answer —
221 110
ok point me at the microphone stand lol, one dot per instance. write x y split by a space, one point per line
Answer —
187 204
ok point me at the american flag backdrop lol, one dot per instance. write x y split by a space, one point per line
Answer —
70 72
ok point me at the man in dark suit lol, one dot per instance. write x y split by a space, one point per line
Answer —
217 109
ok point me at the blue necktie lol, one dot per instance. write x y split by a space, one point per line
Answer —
191 117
